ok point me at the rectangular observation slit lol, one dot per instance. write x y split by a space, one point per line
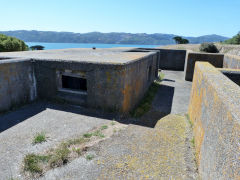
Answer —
74 83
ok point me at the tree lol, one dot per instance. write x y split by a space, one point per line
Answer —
180 40
8 43
37 47
234 40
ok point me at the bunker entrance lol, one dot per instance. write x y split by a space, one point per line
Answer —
74 83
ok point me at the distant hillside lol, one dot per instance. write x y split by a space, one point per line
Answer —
106 38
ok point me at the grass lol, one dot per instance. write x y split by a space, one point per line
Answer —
113 123
77 150
193 142
87 135
189 121
32 163
104 127
60 155
160 76
146 102
89 157
98 133
39 138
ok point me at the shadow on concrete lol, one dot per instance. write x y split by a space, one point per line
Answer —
11 118
170 80
161 107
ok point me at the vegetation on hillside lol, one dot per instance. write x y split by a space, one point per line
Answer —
180 40
234 40
209 48
8 43
106 38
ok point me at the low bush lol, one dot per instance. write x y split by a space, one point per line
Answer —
209 48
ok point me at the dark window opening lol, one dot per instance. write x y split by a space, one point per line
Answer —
149 73
74 83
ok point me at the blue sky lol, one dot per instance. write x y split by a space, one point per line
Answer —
181 17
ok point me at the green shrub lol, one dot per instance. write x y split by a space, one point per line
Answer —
209 48
8 43
234 40
89 157
32 163
39 138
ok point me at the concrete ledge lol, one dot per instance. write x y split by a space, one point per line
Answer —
231 61
213 58
215 112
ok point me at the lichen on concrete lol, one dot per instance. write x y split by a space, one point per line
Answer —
160 153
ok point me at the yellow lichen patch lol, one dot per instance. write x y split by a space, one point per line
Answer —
126 98
156 153
108 76
138 86
195 110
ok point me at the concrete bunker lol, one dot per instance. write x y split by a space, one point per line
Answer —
100 79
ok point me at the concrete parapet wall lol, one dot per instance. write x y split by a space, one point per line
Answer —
214 110
231 61
213 58
17 83
171 59
232 74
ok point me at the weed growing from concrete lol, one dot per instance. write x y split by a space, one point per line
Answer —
76 141
146 102
189 121
193 142
39 138
77 150
113 123
32 163
87 135
160 76
89 157
62 154
98 133
104 127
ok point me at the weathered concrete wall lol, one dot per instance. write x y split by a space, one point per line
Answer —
112 87
232 74
171 59
213 58
231 61
17 83
137 80
214 110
